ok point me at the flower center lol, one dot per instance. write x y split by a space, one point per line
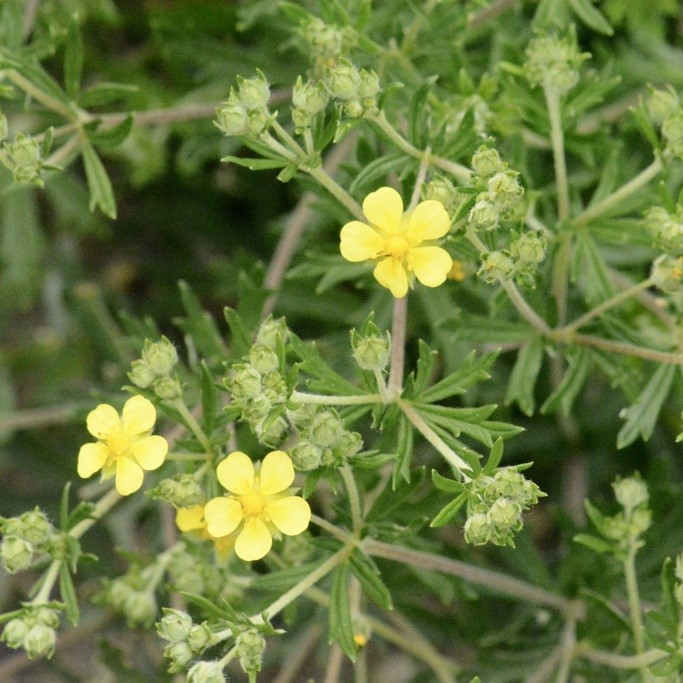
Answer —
118 442
396 246
253 503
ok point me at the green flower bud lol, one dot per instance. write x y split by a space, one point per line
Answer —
347 445
141 374
250 646
117 592
368 87
343 82
484 215
270 330
274 387
504 189
243 382
353 109
372 352
257 409
300 415
305 456
301 120
140 608
442 190
4 127
198 637
264 359
206 672
509 483
167 388
231 119
486 162
258 121
14 633
496 265
35 527
327 42
17 554
640 521
665 228
667 272
477 529
180 655
553 62
528 248
630 492
661 103
272 432
308 97
175 625
23 155
186 573
505 515
253 93
672 131
40 642
325 429
161 356
182 491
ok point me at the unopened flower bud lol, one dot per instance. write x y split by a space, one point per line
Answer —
553 62
161 356
243 382
667 272
198 637
250 645
141 374
264 359
325 429
175 625
353 109
182 491
206 672
180 655
372 352
272 433
258 121
484 215
23 155
368 88
269 331
640 521
661 103
343 81
40 642
347 445
274 387
17 554
672 131
496 265
309 97
305 456
168 388
630 492
231 119
442 190
14 633
505 515
140 608
486 162
504 188
253 93
477 529
529 248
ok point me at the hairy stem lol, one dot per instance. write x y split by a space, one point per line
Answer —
398 348
354 499
634 607
324 399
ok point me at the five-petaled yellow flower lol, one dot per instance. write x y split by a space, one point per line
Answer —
192 520
124 445
261 504
396 239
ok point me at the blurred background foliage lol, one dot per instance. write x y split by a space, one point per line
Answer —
66 273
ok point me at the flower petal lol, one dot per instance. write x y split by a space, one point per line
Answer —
91 458
290 515
129 476
359 242
223 515
430 265
190 519
428 221
139 415
254 541
391 274
236 473
150 451
384 208
277 473
102 420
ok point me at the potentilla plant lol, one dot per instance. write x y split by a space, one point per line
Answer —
476 220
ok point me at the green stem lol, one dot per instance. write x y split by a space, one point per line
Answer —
441 446
462 173
354 499
336 190
293 145
604 205
420 179
552 100
48 583
37 94
329 400
228 657
398 345
331 529
515 588
606 305
634 606
194 427
623 347
621 661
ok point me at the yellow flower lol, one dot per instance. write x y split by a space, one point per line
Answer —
395 238
124 446
262 504
192 520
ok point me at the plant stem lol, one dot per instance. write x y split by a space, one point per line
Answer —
625 348
398 347
634 606
604 205
441 446
336 190
515 588
48 583
617 661
354 499
568 646
325 399
462 173
37 94
420 179
331 529
552 100
194 427
606 305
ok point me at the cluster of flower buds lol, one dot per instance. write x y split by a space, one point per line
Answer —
246 111
665 110
499 190
22 156
25 538
326 42
553 62
185 638
371 347
133 596
355 90
154 369
308 100
496 504
666 228
250 646
34 630
442 190
193 573
181 491
519 262
324 441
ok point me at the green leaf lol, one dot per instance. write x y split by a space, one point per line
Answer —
641 417
68 593
551 14
105 93
64 507
101 193
81 512
209 398
109 137
474 369
445 484
223 611
404 451
34 72
669 583
495 456
341 627
643 122
240 338
369 576
283 579
594 543
524 374
589 270
376 172
418 381
449 511
200 325
73 59
418 126
255 164
570 386
591 16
